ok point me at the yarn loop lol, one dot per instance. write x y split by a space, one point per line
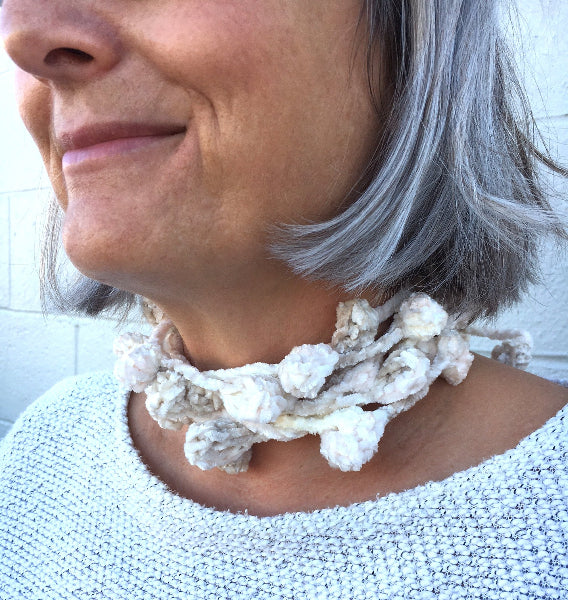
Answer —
345 391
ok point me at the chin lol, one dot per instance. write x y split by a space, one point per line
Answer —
96 252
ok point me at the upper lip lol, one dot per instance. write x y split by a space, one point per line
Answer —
90 135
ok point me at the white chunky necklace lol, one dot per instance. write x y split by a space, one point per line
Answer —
318 389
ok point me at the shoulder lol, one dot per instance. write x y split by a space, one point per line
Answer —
516 417
72 393
64 440
90 385
52 468
455 428
70 408
497 406
508 403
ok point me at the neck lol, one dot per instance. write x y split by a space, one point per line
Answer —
256 323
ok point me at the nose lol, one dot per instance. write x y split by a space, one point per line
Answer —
59 41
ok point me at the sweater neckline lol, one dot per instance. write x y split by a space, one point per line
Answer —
148 497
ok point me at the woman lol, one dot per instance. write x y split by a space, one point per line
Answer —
247 167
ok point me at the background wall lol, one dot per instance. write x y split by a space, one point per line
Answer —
35 352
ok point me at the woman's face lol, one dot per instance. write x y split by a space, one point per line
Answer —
175 131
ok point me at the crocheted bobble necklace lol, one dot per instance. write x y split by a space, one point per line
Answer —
318 389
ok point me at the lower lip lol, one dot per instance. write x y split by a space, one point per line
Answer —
112 148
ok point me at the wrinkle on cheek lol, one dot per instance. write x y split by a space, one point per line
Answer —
35 105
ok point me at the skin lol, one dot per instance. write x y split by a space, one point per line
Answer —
278 128
268 120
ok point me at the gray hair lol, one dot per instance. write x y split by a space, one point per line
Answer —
450 203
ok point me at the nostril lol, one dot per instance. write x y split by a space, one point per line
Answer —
61 56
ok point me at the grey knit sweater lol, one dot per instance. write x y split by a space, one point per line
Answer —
81 517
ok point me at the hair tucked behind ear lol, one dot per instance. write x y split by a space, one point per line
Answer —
451 203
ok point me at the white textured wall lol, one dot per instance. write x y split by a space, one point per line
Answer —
36 352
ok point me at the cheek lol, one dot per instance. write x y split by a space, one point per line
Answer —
35 106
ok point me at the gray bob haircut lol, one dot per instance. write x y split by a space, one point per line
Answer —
450 202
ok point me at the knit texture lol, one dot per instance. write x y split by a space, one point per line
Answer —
81 517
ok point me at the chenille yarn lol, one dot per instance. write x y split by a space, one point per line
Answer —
321 389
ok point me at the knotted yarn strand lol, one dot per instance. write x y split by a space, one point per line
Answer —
320 389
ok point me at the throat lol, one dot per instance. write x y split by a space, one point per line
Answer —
282 477
450 430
